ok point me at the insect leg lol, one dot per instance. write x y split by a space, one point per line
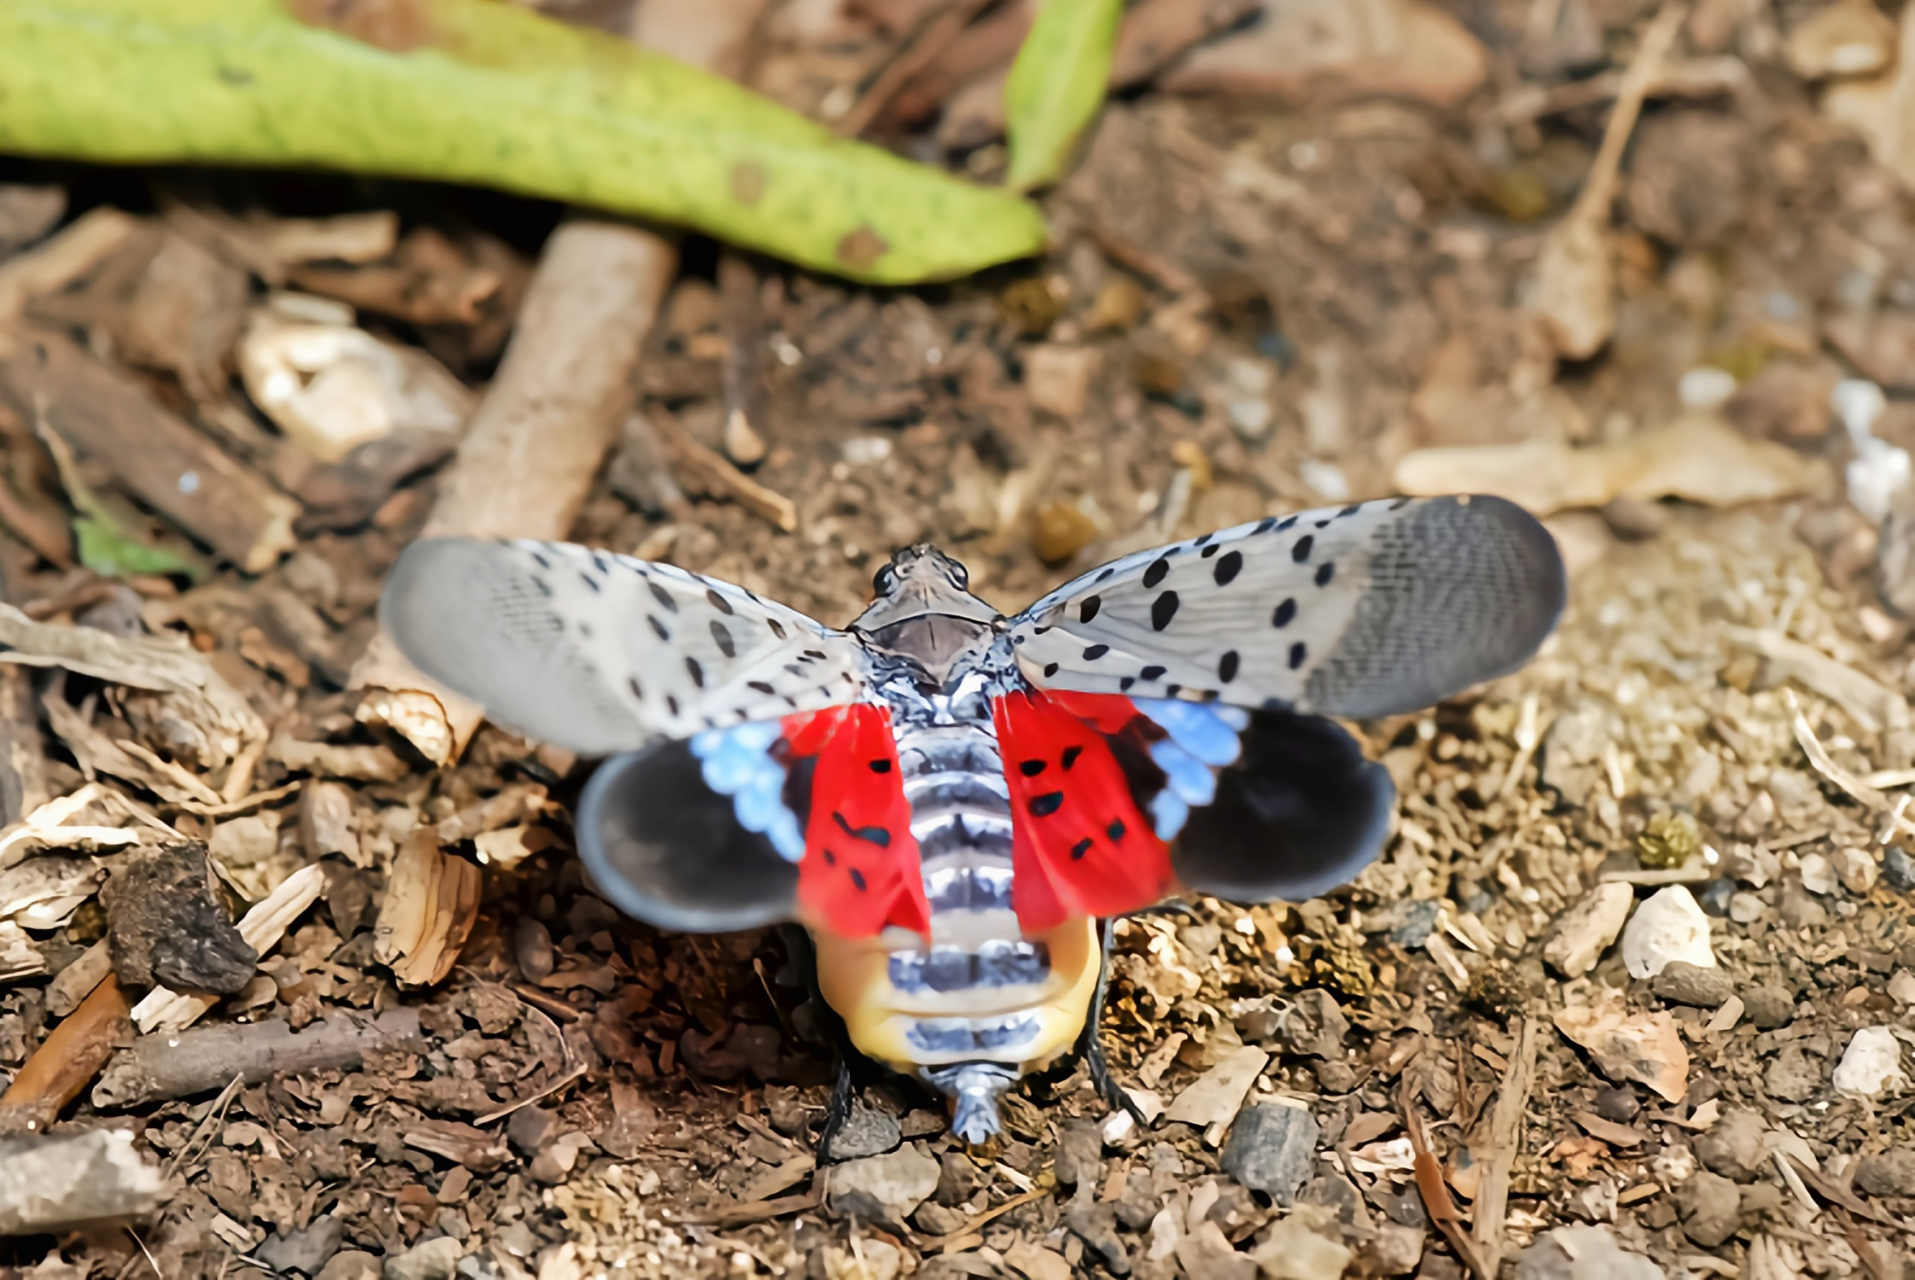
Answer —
1091 1047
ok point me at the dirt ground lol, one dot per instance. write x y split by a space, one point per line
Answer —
1251 308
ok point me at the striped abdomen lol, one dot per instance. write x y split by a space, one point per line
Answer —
981 990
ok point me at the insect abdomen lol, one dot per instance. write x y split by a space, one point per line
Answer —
980 990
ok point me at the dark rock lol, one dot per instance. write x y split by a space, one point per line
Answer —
1080 1153
1336 1077
866 1131
1732 1146
958 1179
306 1252
939 1219
1798 907
1337 1195
1709 1207
1898 868
1315 1026
1892 1173
1137 1208
1619 1104
1768 1007
1794 1076
1272 1148
166 925
1418 923
1096 1226
1714 896
1685 983
528 1129
1583 1253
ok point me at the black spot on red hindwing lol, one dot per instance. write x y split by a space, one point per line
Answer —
1116 829
1081 848
1070 756
1031 768
857 878
880 766
1045 805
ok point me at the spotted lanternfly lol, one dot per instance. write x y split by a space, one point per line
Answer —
948 799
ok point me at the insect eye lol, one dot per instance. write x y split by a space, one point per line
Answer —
961 576
882 581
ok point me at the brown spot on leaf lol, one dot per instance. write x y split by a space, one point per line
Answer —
397 26
747 182
860 249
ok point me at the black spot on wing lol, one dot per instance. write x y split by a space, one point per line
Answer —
665 598
718 602
1285 613
1088 609
1162 610
1297 655
1227 666
1325 572
1152 672
777 627
722 638
696 672
1031 768
1045 805
1155 573
1301 552
1093 652
870 835
1069 757
1227 568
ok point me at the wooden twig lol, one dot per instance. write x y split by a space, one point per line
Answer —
710 473
1435 1192
1506 1139
106 416
66 1061
63 259
916 55
160 1067
537 440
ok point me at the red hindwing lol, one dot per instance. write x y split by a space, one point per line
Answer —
1080 845
860 873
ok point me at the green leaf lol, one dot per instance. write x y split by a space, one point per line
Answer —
1056 86
111 552
487 93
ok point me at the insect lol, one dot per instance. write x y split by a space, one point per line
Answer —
949 800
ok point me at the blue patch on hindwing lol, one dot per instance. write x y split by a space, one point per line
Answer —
737 762
1203 738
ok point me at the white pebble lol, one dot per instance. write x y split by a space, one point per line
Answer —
1871 1064
1325 479
1669 926
1705 388
1118 1126
1818 874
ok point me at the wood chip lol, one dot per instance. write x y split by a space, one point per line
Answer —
262 928
431 904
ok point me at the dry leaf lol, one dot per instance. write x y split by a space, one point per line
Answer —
432 902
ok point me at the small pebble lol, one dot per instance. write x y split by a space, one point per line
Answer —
1418 923
1705 388
1892 1173
1699 988
1715 896
1583 1253
1794 1076
1872 1064
1710 1208
1747 908
1621 1105
1768 1007
1666 927
1733 1145
1898 869
1818 874
866 1131
1272 1148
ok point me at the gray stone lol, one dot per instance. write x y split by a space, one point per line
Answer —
1418 923
866 1131
434 1260
1714 896
1768 1007
1315 1025
1898 868
958 1179
1732 1146
1583 1253
306 1252
884 1188
1096 1226
1619 1104
1272 1148
1794 1076
350 1264
1710 1208
1689 984
1393 1250
1892 1173
1080 1153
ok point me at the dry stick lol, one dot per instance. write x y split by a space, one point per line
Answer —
160 1067
66 1061
1576 276
743 323
913 58
528 461
710 472
1436 1196
63 259
1506 1138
